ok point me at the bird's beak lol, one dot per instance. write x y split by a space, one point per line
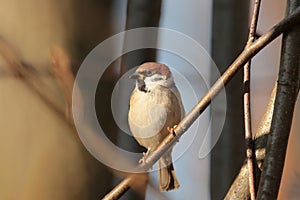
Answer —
137 76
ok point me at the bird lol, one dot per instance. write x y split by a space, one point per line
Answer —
155 107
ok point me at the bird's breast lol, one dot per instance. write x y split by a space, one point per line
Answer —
151 113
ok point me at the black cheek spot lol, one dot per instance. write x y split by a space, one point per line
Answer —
141 85
157 79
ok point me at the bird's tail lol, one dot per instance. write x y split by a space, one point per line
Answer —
166 175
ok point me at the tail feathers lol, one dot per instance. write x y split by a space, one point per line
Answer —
167 176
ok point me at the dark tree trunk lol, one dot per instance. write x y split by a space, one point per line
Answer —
230 25
141 14
92 26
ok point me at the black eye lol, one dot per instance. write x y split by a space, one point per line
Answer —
147 72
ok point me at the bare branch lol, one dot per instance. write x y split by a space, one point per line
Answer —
187 121
63 72
247 103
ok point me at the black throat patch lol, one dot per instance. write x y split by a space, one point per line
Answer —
141 85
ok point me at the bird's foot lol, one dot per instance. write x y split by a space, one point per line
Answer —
171 130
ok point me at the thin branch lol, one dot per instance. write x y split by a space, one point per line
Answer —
188 120
286 96
247 103
63 72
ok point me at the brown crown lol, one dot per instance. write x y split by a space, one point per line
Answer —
155 68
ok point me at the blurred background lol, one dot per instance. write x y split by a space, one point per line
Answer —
40 152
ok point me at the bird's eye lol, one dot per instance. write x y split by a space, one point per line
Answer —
147 72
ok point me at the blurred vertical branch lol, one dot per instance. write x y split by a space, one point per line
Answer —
229 34
287 92
140 14
92 25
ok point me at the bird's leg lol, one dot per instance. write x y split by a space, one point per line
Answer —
143 159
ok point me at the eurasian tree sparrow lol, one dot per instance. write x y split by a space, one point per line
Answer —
155 106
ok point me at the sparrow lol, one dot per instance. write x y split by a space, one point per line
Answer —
155 107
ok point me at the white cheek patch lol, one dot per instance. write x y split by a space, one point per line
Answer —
147 80
158 79
155 79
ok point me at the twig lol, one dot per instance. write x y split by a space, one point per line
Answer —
286 96
247 103
63 73
187 121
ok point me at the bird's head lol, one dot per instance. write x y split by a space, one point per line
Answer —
151 74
